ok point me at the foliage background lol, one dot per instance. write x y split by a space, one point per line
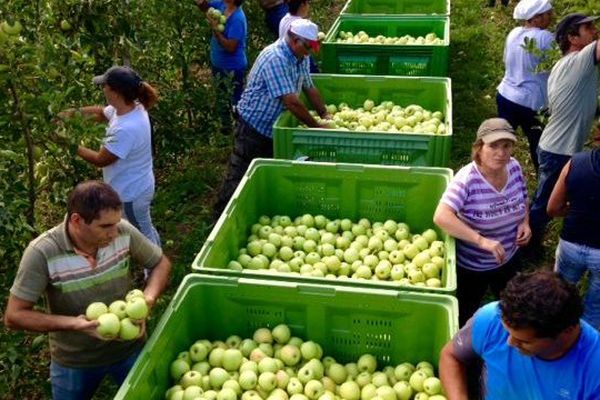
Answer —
48 69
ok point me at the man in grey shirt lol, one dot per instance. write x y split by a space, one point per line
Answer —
572 91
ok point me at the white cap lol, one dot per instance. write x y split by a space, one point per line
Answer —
527 9
305 29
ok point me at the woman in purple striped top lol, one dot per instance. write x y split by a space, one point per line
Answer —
485 208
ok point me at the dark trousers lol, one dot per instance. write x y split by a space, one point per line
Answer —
273 16
229 86
249 144
526 118
472 286
551 165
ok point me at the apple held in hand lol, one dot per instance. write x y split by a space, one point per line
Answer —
95 310
137 308
118 307
109 325
128 330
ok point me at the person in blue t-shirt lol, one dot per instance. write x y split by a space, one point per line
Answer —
533 345
227 55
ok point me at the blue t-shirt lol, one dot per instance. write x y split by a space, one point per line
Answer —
511 375
236 27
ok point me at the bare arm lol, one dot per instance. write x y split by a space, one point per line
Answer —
558 206
453 374
445 217
293 103
597 50
99 159
21 315
95 113
158 280
314 96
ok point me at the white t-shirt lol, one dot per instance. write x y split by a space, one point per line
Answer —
520 84
284 24
128 137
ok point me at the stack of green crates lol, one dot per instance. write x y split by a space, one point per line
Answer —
419 149
382 59
279 187
391 7
348 322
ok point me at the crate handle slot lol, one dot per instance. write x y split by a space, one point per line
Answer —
317 290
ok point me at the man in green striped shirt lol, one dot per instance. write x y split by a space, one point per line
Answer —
91 256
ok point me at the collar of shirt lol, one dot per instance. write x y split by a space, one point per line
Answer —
287 51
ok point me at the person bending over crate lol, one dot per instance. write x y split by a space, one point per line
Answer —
532 342
280 72
89 257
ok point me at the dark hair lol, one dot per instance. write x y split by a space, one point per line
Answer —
294 5
238 3
145 93
89 198
563 40
542 301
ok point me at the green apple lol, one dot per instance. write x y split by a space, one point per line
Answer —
317 366
134 293
433 282
386 393
309 350
249 366
306 374
410 251
95 310
117 307
215 357
267 381
367 363
191 378
233 341
349 390
248 380
337 373
233 384
313 389
420 242
421 396
290 355
379 379
232 359
178 368
137 308
218 376
128 330
389 372
282 379
403 390
404 371
416 380
437 397
169 393
108 326
424 365
431 270
363 378
430 235
421 259
432 385
294 386
352 370
383 269
267 364
368 392
226 394
202 366
263 335
251 395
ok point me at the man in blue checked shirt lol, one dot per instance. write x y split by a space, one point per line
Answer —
279 74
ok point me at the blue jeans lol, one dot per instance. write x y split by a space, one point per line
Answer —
81 383
273 16
572 261
551 165
137 213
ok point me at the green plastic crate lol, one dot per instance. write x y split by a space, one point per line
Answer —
394 327
417 149
280 187
377 59
390 7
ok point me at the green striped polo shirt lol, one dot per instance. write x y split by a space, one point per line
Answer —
68 283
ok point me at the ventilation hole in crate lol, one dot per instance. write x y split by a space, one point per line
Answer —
347 347
261 317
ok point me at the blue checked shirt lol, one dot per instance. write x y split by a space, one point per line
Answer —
276 73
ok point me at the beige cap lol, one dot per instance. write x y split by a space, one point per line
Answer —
494 129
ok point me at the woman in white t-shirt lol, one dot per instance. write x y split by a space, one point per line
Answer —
523 92
297 9
126 153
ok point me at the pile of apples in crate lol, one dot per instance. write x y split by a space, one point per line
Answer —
342 249
384 117
273 365
362 37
